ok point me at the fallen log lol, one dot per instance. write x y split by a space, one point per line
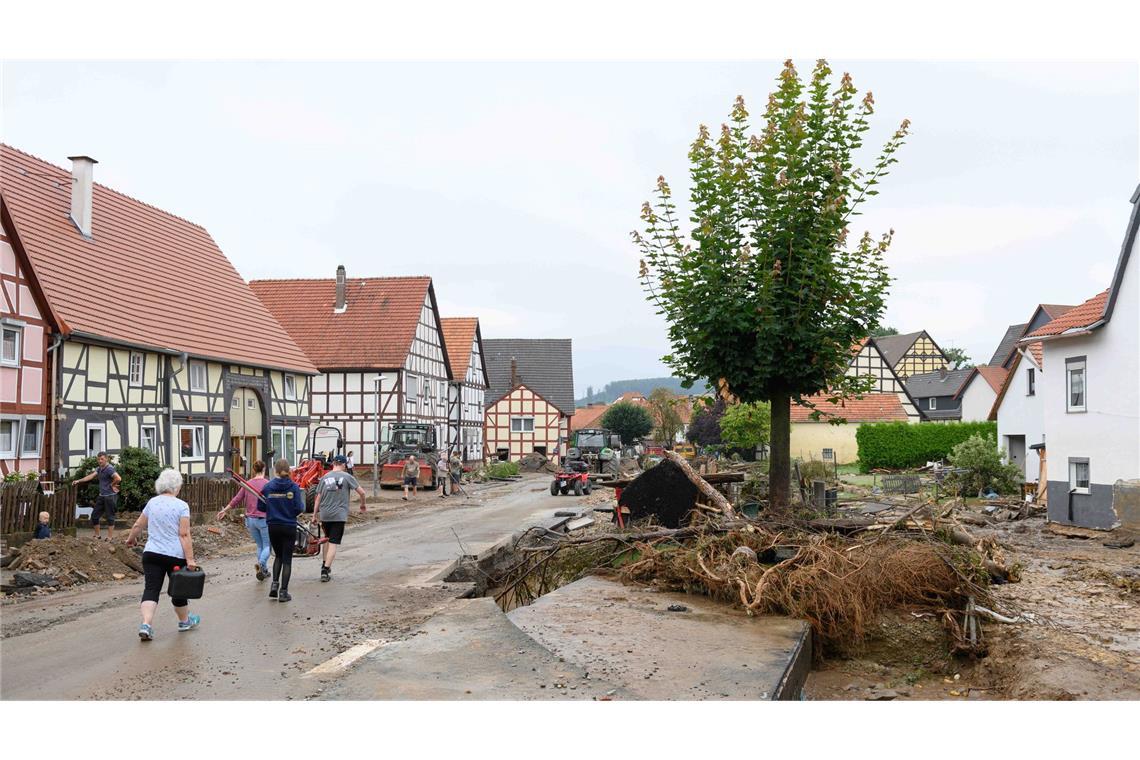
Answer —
713 495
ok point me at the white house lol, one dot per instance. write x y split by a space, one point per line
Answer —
1019 414
1092 400
978 392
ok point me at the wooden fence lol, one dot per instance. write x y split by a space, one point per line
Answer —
20 509
20 506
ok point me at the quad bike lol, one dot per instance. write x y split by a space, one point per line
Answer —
573 475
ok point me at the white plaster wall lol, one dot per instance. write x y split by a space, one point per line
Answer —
1020 414
977 400
1109 432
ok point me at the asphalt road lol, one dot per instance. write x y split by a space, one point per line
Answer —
84 644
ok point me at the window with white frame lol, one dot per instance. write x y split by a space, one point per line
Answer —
284 442
522 424
235 403
9 432
192 442
148 438
290 387
10 353
1079 475
1076 399
932 403
1030 381
197 376
96 438
135 375
33 438
411 387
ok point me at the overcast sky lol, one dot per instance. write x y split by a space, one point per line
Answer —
515 186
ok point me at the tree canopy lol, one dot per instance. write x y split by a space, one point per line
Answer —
746 426
704 427
663 408
630 421
766 294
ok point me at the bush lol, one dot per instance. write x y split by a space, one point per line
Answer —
502 470
816 470
137 467
898 445
987 467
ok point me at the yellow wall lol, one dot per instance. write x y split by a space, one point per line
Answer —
809 439
922 357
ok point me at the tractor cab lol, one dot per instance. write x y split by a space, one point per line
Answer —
409 438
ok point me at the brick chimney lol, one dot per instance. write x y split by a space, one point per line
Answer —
341 296
82 172
514 373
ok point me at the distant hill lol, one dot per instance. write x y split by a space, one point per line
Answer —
644 386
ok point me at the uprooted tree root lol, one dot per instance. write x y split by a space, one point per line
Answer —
839 585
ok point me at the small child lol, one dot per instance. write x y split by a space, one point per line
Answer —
43 530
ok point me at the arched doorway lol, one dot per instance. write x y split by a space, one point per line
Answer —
247 426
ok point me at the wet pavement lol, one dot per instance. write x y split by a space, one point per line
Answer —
83 644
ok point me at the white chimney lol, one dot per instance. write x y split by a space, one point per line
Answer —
341 302
82 171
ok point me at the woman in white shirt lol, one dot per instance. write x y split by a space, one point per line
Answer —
166 519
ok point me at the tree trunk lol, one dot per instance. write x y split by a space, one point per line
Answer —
780 453
702 485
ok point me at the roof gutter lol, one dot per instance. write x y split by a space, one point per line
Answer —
1087 330
183 355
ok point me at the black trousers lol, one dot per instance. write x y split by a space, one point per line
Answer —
157 568
282 538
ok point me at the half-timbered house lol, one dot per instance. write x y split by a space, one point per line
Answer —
159 342
530 399
868 361
25 362
467 391
380 349
912 354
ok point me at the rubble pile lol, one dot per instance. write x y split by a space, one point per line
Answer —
70 561
663 492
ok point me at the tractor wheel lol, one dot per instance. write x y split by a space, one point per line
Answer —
554 488
310 497
577 487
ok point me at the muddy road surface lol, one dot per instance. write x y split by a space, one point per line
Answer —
84 644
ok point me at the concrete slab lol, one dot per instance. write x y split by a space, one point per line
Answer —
469 651
627 636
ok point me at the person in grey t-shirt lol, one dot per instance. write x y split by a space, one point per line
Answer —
333 493
108 500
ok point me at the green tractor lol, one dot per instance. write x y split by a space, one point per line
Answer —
599 448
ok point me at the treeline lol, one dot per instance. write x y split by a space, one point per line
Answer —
644 386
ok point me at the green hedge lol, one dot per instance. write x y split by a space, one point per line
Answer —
898 445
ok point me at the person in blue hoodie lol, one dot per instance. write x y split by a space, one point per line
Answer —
284 501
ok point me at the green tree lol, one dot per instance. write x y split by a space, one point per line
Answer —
765 296
883 332
985 467
630 421
958 358
138 468
663 408
704 427
746 426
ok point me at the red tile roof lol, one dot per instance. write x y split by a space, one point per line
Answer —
995 376
588 416
374 332
458 336
873 407
145 277
1074 319
1038 354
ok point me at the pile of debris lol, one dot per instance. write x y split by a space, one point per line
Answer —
535 462
62 561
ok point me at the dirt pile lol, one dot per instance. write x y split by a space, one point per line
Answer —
71 561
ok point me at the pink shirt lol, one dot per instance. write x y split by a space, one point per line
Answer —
253 506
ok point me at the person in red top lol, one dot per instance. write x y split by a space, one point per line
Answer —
254 517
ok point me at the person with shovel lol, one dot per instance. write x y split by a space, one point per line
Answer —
333 494
284 501
254 516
